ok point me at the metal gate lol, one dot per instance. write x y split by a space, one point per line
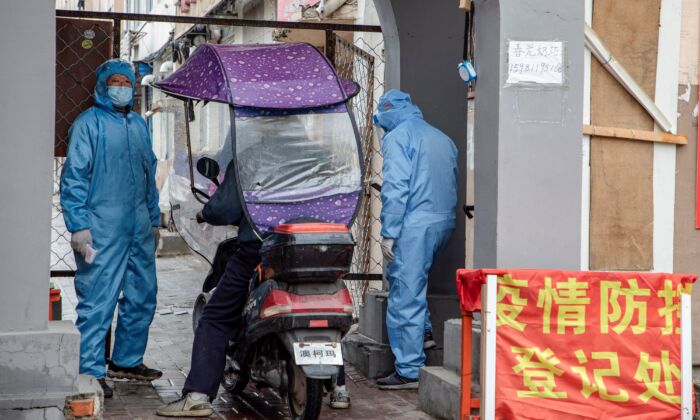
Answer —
353 62
86 39
81 46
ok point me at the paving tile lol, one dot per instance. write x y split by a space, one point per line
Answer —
170 346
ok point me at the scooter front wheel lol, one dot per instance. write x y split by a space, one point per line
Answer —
198 309
304 396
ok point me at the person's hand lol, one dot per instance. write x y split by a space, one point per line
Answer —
156 236
388 249
80 241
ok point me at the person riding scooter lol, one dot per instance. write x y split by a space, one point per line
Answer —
208 357
221 318
297 184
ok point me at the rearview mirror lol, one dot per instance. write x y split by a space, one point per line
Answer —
209 169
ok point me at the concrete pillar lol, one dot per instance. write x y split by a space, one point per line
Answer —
38 359
528 164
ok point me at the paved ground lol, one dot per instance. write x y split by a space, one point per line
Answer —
169 348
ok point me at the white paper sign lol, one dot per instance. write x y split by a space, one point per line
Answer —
535 62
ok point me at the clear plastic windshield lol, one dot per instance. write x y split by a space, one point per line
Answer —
295 167
210 135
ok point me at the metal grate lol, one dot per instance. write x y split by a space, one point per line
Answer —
363 63
61 254
81 46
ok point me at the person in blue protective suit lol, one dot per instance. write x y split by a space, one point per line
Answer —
419 198
110 205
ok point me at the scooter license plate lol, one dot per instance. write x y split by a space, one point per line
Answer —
318 354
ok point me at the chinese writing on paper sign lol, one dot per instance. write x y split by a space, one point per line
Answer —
535 62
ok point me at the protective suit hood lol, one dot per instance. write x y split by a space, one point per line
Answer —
394 108
104 71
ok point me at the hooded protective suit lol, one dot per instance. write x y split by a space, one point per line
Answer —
419 197
108 186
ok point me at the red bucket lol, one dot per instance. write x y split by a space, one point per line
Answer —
55 312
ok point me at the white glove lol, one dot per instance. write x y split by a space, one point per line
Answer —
388 249
80 241
156 236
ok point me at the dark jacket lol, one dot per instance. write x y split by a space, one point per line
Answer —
226 208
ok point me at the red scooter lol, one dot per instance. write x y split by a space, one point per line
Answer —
285 123
297 311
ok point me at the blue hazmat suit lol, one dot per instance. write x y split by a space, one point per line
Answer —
419 199
108 186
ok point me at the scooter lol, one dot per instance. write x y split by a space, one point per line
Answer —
299 172
297 311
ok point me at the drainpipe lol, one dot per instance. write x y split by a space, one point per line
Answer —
327 7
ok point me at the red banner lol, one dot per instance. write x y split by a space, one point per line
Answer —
584 345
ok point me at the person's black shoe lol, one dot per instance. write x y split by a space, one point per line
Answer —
138 373
428 341
396 381
106 390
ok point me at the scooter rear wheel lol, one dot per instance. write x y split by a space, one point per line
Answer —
305 396
234 381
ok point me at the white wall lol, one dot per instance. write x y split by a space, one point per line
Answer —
262 10
27 86
690 42
156 34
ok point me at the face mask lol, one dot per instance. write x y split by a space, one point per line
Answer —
120 95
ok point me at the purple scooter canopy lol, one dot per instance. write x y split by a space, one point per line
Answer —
295 142
271 76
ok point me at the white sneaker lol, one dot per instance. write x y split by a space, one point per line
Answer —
428 341
340 399
187 406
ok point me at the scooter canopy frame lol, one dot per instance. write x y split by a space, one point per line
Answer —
294 138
